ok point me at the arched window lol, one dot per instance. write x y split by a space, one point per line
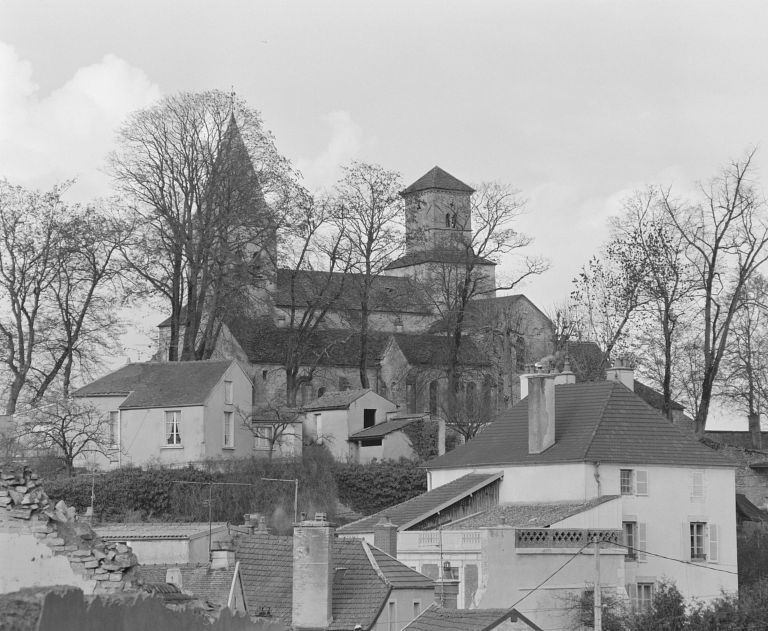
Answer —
447 220
433 397
471 398
320 392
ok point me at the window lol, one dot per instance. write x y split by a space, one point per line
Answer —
369 418
630 539
392 616
264 374
433 398
228 393
697 531
447 220
416 608
114 423
229 430
262 435
626 483
320 392
370 442
644 596
172 423
697 486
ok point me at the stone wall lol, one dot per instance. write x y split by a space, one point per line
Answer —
752 483
46 544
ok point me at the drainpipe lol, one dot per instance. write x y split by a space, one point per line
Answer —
597 478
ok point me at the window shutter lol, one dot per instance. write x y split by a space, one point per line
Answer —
714 543
697 486
685 546
641 483
641 542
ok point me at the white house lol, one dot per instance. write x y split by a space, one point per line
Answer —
576 457
174 413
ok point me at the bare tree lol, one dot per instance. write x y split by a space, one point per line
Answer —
315 280
368 207
274 424
745 363
726 238
69 428
460 277
206 181
58 269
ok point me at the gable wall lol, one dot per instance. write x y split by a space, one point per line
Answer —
143 439
240 409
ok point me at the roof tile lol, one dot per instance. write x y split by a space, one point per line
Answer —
437 178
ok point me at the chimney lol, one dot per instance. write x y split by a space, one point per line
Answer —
447 593
223 554
541 412
385 536
313 572
566 376
622 372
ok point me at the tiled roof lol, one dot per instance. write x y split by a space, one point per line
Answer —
387 293
418 508
196 579
653 397
435 618
437 178
359 593
156 530
382 429
434 350
535 515
159 384
439 255
594 422
336 400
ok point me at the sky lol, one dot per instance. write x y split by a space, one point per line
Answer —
576 103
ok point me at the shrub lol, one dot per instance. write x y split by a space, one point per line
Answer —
369 488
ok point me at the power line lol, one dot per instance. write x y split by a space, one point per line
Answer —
662 556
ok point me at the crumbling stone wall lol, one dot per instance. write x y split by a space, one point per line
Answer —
45 544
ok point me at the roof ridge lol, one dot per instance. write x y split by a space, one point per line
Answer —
600 419
374 563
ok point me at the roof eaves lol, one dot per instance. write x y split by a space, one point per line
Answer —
495 476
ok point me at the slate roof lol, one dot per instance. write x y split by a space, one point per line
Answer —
435 618
359 593
159 384
440 179
436 255
418 508
387 293
382 429
197 579
434 350
534 515
594 422
336 400
156 530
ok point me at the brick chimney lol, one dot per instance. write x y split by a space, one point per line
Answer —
447 593
223 554
541 412
622 372
385 536
313 572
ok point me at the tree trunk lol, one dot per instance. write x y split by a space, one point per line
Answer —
290 388
703 411
755 432
14 391
364 344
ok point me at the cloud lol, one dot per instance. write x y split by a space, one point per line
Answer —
47 138
343 146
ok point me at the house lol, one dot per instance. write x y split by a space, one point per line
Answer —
333 418
588 456
436 618
174 413
216 582
315 580
166 542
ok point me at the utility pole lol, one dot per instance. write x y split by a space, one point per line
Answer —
598 596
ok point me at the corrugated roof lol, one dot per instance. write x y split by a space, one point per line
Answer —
336 400
594 422
156 530
436 618
437 178
196 579
382 429
531 515
159 384
422 506
359 593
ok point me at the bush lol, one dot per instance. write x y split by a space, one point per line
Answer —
369 488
